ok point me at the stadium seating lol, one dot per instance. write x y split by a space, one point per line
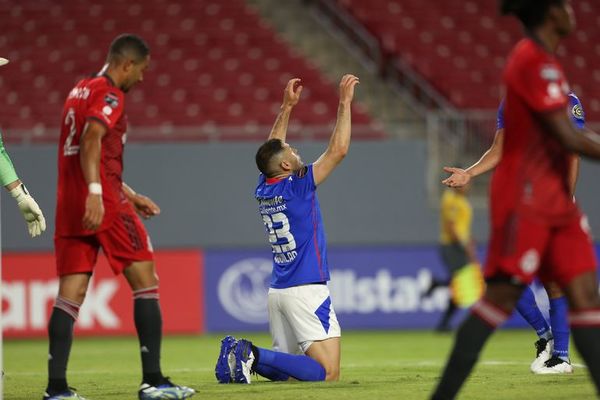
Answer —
461 47
215 64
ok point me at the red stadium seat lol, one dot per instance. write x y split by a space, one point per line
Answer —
461 47
213 62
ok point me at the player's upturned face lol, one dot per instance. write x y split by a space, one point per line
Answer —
135 74
296 159
292 157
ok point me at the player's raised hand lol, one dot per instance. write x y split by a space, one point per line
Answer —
459 177
291 94
94 212
347 85
144 206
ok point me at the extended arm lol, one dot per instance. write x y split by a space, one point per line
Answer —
340 138
291 96
488 161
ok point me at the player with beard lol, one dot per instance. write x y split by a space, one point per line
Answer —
304 327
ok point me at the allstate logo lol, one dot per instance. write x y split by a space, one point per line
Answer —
243 290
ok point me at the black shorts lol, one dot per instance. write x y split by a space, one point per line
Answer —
454 257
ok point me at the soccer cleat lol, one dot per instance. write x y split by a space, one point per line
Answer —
166 390
243 361
556 365
543 352
226 361
66 395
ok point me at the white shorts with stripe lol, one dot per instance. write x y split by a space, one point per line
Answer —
301 315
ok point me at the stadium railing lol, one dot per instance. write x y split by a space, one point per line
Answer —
389 67
458 141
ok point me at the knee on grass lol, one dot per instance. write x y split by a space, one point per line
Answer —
332 373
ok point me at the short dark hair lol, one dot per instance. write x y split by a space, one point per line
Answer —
265 154
531 13
128 45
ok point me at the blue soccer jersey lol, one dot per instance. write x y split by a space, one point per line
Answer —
575 111
291 213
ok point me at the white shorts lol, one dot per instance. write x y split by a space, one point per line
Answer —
301 315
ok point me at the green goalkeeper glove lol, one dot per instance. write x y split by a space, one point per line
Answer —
36 223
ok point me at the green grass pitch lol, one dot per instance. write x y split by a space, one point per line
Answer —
375 365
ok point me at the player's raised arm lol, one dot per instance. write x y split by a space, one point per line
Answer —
90 153
340 138
291 96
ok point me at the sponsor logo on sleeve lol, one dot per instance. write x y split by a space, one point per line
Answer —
112 100
577 111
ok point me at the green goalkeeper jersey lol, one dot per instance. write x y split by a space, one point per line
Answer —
7 171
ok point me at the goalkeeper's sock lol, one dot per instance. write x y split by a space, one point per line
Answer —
585 328
560 327
60 335
148 323
470 338
300 367
529 310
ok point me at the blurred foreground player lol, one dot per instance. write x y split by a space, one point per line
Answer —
96 209
537 229
304 327
457 248
36 223
552 347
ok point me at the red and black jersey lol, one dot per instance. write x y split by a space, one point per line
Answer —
95 99
532 176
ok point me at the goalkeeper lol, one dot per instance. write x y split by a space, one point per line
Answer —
30 209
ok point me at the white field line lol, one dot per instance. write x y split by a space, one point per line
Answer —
424 363
441 363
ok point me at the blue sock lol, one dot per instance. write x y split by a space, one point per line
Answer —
300 367
560 327
272 374
529 310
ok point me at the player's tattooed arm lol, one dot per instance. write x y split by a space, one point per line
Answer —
291 96
144 205
340 138
488 161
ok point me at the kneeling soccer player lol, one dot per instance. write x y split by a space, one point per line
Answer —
303 324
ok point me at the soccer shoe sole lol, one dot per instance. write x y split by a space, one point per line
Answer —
167 393
71 396
223 369
243 361
557 369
